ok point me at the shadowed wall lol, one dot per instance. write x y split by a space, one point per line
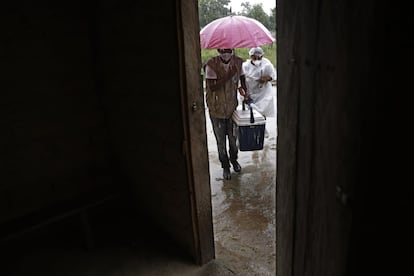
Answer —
90 107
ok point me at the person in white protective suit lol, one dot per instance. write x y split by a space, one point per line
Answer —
259 72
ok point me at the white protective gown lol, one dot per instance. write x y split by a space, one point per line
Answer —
260 93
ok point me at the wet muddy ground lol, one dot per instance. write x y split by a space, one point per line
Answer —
244 207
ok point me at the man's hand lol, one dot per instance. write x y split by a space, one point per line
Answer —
242 92
265 79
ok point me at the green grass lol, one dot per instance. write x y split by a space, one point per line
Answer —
269 52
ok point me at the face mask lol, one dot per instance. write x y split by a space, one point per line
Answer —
257 62
226 56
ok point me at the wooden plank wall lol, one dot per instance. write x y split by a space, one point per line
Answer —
322 54
342 203
91 96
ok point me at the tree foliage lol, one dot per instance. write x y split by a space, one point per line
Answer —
272 19
210 10
256 11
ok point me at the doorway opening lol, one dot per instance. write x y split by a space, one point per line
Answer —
244 207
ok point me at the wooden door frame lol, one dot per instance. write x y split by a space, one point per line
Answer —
195 143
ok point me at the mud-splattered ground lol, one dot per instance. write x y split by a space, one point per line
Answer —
244 207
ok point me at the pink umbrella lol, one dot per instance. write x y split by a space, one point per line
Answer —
234 31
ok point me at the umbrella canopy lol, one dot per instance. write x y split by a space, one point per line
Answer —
234 31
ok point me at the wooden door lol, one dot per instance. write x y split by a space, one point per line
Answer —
319 89
195 145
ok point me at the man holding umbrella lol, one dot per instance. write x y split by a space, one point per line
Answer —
223 74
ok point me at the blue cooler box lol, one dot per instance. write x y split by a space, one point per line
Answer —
251 127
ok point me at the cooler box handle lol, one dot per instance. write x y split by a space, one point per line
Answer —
248 102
